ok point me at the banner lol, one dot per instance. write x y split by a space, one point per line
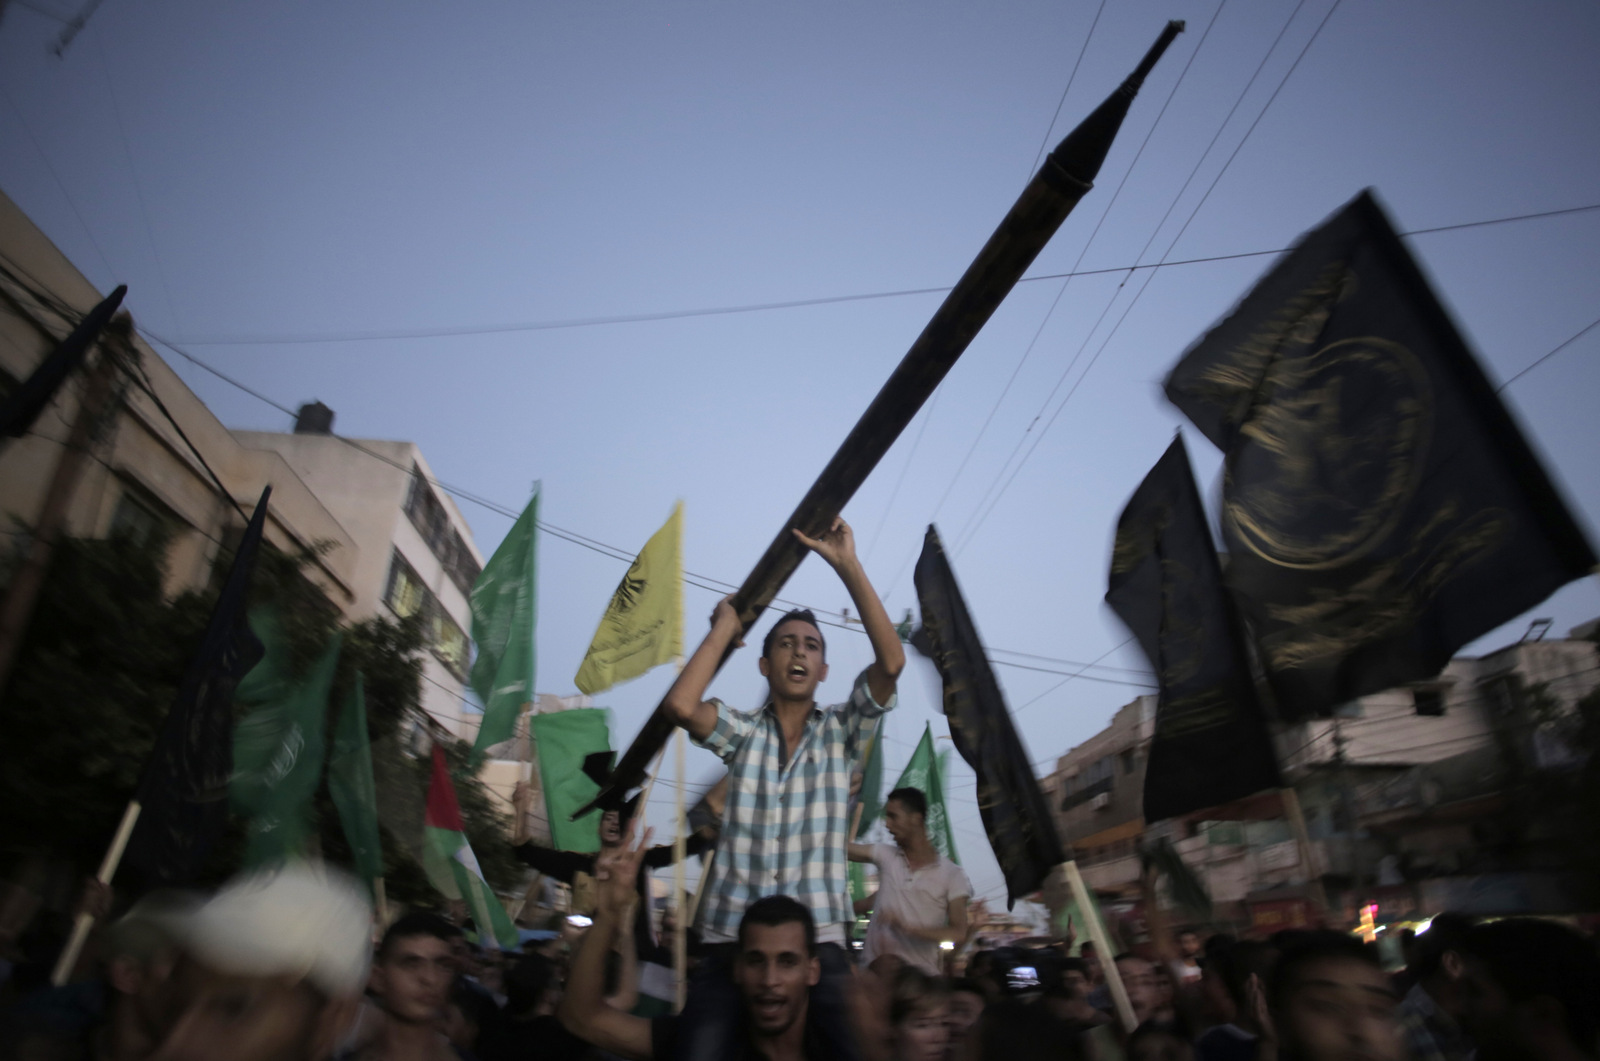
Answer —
563 740
352 788
922 773
643 624
1211 743
1015 814
451 866
503 616
1381 508
871 795
183 790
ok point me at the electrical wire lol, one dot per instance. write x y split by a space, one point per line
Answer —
1073 76
1559 347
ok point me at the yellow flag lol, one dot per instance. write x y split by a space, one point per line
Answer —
643 626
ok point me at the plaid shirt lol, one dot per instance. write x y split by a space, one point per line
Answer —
783 830
1430 1032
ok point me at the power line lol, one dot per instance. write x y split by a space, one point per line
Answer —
1045 142
1559 347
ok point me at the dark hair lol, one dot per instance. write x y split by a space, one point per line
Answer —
912 799
526 983
1155 1029
1307 947
417 923
1446 933
772 910
1236 963
912 989
1075 965
969 986
803 615
1018 1031
1530 958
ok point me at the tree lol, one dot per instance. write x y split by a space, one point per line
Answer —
97 674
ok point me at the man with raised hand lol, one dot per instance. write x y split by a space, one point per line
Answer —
787 818
922 895
774 970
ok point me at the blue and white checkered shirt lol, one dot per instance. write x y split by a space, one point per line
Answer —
784 826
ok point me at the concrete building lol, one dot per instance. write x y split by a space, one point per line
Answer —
1431 796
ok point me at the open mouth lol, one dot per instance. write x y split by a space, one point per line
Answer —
796 672
769 1007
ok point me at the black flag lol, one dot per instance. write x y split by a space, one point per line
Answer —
1211 743
22 406
1380 506
184 791
1015 814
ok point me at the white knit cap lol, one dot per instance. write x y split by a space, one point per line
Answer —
312 922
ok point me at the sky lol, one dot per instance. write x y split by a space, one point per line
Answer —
430 217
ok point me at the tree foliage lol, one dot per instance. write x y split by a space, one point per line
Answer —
98 671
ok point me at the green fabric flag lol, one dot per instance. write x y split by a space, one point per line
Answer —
503 615
922 772
858 881
451 866
872 783
563 739
351 785
278 747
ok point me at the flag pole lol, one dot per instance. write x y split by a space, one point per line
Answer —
680 852
85 920
1302 836
1102 943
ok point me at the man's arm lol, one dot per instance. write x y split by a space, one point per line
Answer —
583 1010
864 904
838 548
860 852
684 700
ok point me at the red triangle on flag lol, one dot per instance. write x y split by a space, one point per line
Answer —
443 810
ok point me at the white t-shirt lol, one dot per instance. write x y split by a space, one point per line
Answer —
917 897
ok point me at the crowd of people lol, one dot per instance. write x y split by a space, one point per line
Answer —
290 963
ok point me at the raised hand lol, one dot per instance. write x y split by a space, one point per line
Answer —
617 870
837 544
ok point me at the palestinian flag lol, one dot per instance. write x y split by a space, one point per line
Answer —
451 866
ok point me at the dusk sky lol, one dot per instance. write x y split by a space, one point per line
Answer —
389 207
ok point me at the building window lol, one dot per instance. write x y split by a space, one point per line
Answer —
137 520
450 644
1428 700
1130 760
407 596
427 514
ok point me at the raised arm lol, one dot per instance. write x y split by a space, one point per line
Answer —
583 1006
859 852
685 701
838 548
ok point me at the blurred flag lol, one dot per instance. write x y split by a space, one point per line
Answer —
183 791
1381 508
278 747
871 795
643 625
922 773
1015 814
563 740
29 398
351 785
451 866
503 616
1211 743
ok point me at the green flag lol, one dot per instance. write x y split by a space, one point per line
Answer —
503 615
351 785
872 783
858 881
922 772
278 747
563 739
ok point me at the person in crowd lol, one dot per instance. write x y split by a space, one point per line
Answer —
1213 1006
1139 980
1099 994
1241 969
1432 1010
1187 966
526 1026
1166 994
787 817
922 895
967 999
1533 991
918 1012
269 968
1068 998
774 971
1014 1030
1328 999
413 976
1155 1041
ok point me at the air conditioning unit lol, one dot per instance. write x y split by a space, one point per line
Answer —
1101 801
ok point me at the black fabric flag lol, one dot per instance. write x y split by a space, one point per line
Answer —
1211 743
183 793
1380 506
22 406
1015 814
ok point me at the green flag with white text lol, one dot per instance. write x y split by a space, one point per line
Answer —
563 739
503 616
351 785
922 772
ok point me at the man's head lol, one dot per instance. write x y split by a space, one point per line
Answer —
1242 967
967 999
141 949
917 1013
415 966
1139 980
777 964
905 814
1189 944
1331 1001
272 968
1075 977
1531 989
1091 961
1437 962
794 656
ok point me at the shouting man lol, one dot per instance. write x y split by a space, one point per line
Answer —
787 818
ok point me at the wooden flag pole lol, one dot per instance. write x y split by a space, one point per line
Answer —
1102 943
383 902
680 852
85 920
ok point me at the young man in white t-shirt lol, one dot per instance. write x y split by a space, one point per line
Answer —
922 896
